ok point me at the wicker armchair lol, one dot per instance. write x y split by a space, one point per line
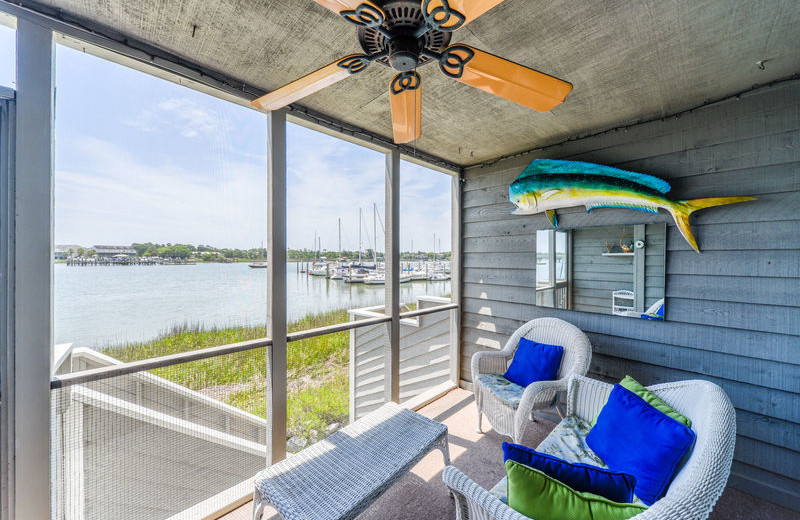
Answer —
694 490
509 407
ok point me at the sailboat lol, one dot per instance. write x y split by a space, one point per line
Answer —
379 278
259 265
318 269
320 266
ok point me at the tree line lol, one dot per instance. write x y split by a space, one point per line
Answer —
202 251
211 253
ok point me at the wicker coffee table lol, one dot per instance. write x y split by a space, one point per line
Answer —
339 477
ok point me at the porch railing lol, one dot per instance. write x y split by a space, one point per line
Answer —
425 363
129 443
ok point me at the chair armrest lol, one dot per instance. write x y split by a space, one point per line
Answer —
586 397
470 496
490 361
540 393
536 395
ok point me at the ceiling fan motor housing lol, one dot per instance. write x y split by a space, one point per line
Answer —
403 19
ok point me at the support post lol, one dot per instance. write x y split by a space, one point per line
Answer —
7 200
455 278
276 285
33 272
392 257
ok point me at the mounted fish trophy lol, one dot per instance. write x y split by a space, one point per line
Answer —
547 185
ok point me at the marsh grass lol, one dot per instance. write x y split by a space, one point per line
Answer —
317 370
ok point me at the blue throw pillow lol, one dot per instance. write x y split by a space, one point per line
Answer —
534 362
613 485
632 436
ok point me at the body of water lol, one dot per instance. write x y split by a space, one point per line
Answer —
100 306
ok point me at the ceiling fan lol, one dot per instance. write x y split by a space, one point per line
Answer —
404 34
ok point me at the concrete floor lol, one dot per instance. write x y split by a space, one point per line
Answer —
422 494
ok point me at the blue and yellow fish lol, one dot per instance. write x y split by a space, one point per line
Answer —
547 185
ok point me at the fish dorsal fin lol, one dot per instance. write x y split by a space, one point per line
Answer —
551 166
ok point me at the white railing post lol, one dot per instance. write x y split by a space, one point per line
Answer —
276 285
392 256
33 273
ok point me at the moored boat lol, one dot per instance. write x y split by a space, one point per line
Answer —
319 269
438 276
356 275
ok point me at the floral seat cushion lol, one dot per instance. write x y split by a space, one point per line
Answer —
567 441
507 392
500 490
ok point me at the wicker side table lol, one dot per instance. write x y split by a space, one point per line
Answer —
339 477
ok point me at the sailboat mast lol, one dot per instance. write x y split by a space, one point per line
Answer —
340 237
359 236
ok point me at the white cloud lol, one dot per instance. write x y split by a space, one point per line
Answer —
113 195
330 179
119 199
183 115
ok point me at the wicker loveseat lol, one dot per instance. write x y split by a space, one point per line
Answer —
694 490
508 406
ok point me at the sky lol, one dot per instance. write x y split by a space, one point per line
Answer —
141 159
7 52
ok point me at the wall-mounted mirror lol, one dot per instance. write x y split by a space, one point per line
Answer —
615 270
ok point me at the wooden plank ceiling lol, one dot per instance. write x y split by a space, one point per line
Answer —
628 61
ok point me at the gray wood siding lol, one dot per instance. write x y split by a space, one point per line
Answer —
733 312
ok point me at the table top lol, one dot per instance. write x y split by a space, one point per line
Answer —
337 475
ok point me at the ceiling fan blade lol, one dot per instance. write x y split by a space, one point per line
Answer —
406 99
449 15
314 82
337 6
503 78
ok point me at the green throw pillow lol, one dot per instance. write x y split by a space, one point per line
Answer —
653 400
536 495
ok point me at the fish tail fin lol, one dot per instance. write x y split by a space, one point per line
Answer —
681 211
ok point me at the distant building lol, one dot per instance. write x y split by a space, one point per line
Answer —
61 251
111 251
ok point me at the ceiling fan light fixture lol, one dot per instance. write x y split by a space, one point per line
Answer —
404 52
